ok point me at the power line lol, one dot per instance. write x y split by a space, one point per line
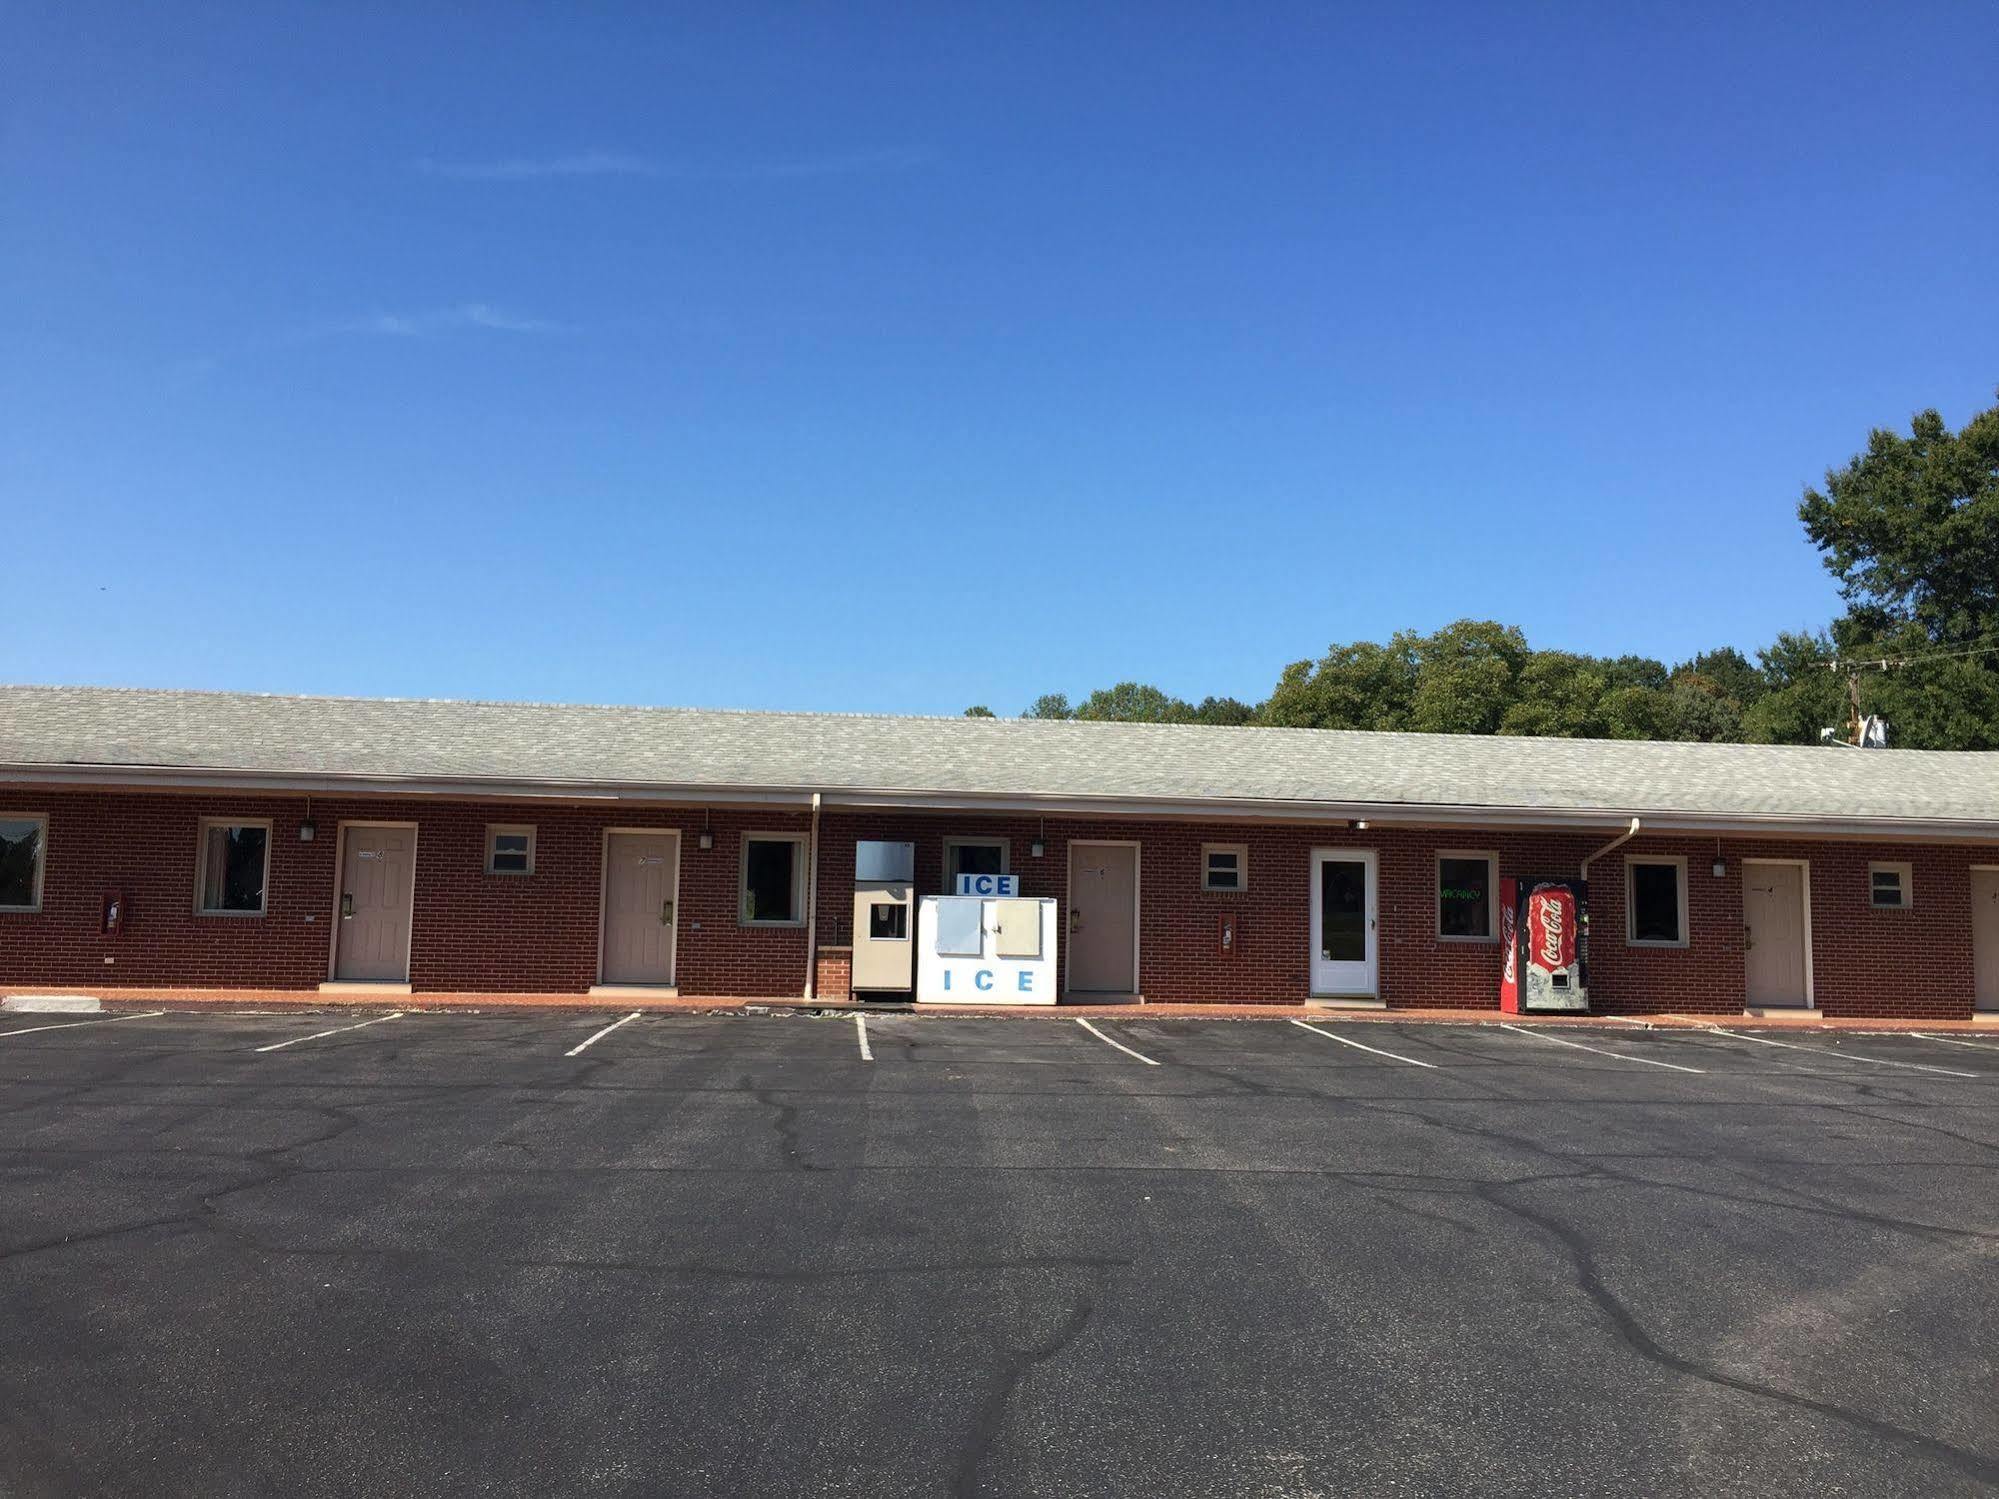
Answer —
1889 663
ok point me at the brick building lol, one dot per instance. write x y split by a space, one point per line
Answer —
198 841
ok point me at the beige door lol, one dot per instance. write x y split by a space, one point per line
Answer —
1773 933
1985 937
641 880
1103 918
377 883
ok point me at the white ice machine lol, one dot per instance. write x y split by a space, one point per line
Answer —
978 951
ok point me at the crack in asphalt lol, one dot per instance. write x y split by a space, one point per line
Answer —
1631 1332
989 1419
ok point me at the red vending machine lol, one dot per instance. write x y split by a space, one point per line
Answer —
1544 936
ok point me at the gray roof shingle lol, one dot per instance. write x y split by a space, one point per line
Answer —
535 744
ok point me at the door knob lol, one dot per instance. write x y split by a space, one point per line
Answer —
346 907
666 913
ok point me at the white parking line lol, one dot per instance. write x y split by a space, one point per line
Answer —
1622 1056
1118 1044
861 1035
586 1045
1362 1046
1851 1056
1953 1041
338 1030
29 1030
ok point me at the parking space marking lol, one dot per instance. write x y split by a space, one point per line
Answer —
1851 1056
338 1030
584 1046
1118 1044
1953 1041
861 1035
1622 1056
1362 1046
29 1030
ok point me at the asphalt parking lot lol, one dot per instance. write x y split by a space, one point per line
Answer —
434 1254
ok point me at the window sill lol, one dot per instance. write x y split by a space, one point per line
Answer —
1642 942
768 926
1469 941
20 910
234 915
510 874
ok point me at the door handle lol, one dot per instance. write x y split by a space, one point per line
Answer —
666 913
346 908
1748 936
1075 919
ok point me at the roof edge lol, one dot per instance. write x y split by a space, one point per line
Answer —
133 777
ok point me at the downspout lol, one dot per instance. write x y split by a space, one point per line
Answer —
812 904
1618 842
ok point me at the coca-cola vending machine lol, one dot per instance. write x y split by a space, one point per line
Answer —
1544 935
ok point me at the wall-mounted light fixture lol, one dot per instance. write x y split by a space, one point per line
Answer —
307 830
1720 864
1361 826
707 838
1040 845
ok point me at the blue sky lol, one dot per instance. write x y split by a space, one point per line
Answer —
896 359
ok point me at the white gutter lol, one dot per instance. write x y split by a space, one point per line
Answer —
1211 809
812 904
1618 842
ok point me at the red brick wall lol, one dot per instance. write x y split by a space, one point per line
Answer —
471 931
475 932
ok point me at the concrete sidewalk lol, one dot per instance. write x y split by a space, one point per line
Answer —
116 998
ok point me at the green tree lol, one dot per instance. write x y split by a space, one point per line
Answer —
1050 705
1559 696
1133 702
1911 529
980 710
1358 686
1223 712
1466 677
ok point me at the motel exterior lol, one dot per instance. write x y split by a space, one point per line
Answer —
202 843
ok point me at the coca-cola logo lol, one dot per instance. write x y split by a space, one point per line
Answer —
1551 933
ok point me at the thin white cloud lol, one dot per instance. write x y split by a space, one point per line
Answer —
446 320
617 164
530 168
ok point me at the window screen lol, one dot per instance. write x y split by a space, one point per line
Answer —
20 862
232 871
1464 897
1655 903
770 880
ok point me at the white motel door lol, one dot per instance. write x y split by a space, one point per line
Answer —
1103 918
1985 937
641 879
1773 933
377 876
1344 955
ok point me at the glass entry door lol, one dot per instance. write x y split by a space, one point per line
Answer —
1343 921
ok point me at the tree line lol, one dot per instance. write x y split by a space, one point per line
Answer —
1910 528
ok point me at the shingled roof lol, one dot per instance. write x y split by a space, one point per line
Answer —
133 736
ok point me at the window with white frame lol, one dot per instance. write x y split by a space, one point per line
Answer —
509 848
1467 895
235 859
1655 901
1891 886
972 856
22 837
1224 866
772 880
